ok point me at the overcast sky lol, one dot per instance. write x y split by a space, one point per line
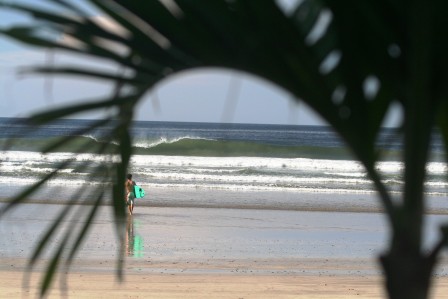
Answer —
208 95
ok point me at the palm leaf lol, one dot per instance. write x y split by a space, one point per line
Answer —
87 224
22 196
364 42
52 268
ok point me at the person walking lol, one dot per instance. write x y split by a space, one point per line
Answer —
130 196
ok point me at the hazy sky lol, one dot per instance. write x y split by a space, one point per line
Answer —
207 95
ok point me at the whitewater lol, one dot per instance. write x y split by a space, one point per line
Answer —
190 164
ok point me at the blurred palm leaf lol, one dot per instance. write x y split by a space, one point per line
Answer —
349 60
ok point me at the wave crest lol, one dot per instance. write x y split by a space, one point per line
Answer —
147 144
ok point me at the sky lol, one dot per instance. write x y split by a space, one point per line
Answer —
207 95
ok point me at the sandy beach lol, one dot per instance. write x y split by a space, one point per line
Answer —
206 253
101 282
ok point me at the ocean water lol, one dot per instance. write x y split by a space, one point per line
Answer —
202 164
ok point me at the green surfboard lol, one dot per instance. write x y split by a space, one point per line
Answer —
139 192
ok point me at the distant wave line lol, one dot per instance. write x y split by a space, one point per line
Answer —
146 144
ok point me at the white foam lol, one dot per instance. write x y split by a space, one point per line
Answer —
247 162
32 157
163 140
234 173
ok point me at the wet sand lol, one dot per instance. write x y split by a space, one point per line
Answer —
205 253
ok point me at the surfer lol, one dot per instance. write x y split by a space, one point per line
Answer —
130 196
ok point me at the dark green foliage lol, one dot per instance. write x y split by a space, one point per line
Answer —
398 46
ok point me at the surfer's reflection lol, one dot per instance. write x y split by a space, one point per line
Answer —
134 242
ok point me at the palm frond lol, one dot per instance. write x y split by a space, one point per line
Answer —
368 56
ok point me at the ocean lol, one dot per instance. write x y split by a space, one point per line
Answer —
211 164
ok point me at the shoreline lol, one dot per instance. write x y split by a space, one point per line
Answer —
205 253
294 208
167 197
